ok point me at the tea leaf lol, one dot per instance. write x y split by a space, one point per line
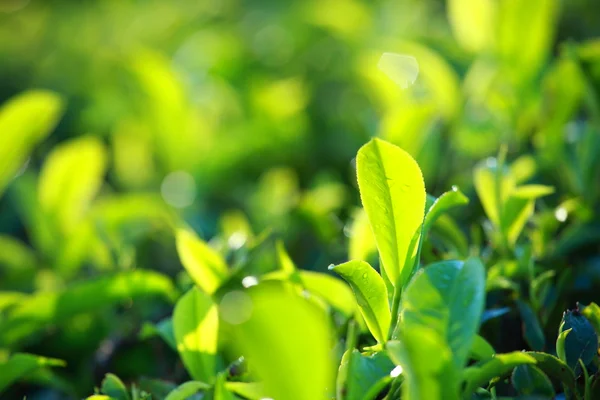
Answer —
500 365
393 195
448 298
196 325
186 390
112 386
25 120
206 267
446 201
371 295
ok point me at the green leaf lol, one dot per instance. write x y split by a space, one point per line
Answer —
21 364
426 360
531 192
287 340
592 313
393 195
472 23
70 178
221 391
364 371
248 390
206 267
529 380
333 290
284 260
25 120
196 326
187 389
493 186
499 366
445 202
581 342
371 295
42 310
447 297
554 368
112 386
481 349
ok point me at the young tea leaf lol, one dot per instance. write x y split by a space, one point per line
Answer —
371 295
25 120
447 297
499 366
196 326
186 390
393 195
206 267
446 201
115 388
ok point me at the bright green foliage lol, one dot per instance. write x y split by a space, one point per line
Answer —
21 364
446 201
196 326
427 365
371 295
298 336
206 267
507 205
25 120
393 195
365 372
38 311
592 313
186 390
448 299
362 243
70 179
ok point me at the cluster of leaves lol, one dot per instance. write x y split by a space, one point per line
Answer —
104 285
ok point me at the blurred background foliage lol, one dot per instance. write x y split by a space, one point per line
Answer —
123 119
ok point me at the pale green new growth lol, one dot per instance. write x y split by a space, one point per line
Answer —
393 195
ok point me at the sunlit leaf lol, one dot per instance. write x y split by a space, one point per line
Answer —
112 386
473 23
248 390
592 313
25 120
21 364
371 295
186 390
446 201
206 267
297 336
196 326
554 368
393 195
70 178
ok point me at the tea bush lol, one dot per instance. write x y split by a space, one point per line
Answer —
176 178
